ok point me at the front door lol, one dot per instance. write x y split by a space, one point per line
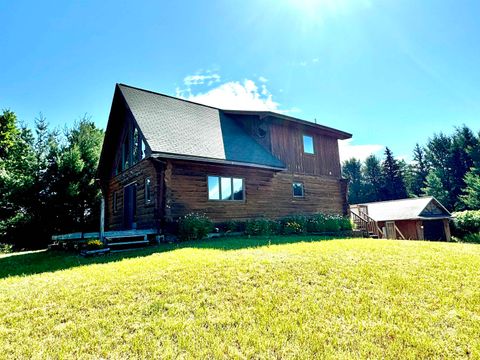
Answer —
129 206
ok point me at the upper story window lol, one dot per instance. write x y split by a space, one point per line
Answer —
297 188
148 190
132 149
225 188
308 147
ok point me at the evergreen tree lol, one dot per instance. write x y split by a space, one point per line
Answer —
393 185
17 170
372 175
77 192
352 171
471 196
464 143
9 132
471 193
434 187
418 172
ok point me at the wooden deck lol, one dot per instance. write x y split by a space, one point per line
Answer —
109 236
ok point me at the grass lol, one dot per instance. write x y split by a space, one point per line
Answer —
285 297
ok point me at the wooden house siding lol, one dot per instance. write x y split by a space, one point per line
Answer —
147 215
287 145
285 141
267 193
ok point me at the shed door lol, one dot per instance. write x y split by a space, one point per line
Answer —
390 228
129 206
434 230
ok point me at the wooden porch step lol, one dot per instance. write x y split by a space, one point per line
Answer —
124 243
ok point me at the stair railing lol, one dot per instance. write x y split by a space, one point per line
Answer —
366 223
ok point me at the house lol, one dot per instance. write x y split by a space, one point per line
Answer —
164 157
422 218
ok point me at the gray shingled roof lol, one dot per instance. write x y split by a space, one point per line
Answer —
173 126
405 209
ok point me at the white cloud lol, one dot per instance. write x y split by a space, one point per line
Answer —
262 79
199 79
361 152
235 95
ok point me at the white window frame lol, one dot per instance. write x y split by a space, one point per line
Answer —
219 177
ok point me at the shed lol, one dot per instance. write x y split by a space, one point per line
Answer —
423 218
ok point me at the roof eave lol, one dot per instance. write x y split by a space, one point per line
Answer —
162 155
339 134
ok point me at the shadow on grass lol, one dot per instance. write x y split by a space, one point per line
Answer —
50 261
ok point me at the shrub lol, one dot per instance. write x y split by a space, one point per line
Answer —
466 223
231 226
6 248
261 227
194 226
328 223
472 238
94 244
294 225
316 223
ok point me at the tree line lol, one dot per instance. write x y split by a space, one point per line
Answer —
446 167
47 180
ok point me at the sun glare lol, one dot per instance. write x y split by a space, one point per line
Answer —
318 9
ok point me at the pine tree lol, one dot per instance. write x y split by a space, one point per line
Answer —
434 187
418 171
372 175
393 185
471 193
352 171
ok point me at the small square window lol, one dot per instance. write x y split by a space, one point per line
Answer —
148 190
308 147
297 188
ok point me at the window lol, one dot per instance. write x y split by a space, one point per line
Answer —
148 191
142 150
297 188
136 146
225 188
308 147
115 202
132 149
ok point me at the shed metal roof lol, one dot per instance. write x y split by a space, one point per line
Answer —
406 209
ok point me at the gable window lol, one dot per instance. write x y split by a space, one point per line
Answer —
132 149
308 147
225 188
148 190
297 188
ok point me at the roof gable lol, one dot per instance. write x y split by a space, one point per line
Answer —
174 126
406 209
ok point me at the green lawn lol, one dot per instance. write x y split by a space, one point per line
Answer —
292 297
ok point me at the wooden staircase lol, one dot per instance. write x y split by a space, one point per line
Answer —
365 223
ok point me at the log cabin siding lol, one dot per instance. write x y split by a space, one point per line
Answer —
285 141
267 193
146 214
287 145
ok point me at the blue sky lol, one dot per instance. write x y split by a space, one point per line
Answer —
390 72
